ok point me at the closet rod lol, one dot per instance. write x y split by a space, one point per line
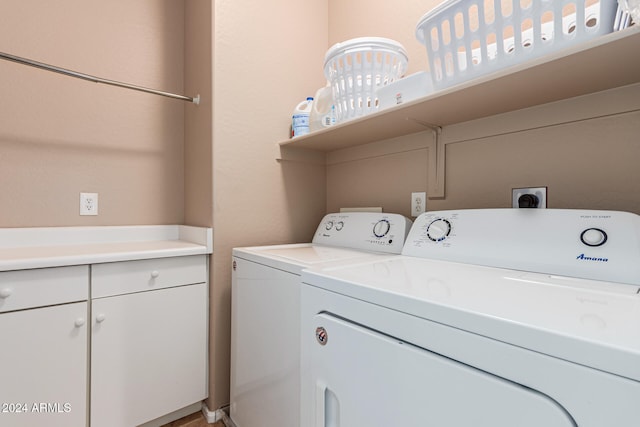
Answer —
75 74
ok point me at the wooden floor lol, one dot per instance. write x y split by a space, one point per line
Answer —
193 420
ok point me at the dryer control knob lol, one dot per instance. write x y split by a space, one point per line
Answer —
328 225
381 228
593 237
438 230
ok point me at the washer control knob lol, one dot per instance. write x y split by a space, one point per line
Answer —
438 230
339 225
381 228
593 237
329 225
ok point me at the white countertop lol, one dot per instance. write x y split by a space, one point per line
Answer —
40 247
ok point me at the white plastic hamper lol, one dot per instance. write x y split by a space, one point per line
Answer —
356 67
469 38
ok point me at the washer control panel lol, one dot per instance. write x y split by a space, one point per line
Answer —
439 229
600 245
378 232
381 228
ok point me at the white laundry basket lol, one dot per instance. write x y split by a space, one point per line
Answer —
468 38
355 68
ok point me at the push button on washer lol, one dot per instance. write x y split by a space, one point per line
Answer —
593 237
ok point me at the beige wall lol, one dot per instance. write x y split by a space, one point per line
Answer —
584 150
268 57
198 125
379 174
60 136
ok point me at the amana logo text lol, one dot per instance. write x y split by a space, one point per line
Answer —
588 258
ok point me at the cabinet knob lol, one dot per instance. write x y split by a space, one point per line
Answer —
155 274
79 322
5 292
100 317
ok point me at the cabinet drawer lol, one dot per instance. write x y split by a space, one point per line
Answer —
21 289
120 278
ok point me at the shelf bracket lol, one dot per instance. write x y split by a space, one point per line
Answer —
436 176
435 188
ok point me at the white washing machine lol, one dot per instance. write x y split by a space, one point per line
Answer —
496 318
265 310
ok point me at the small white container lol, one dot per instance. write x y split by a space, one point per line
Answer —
322 111
404 90
469 38
300 118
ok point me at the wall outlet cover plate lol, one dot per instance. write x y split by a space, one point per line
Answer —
418 203
88 203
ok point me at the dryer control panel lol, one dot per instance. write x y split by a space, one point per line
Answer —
599 245
379 232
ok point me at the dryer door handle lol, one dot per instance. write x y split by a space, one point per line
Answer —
327 407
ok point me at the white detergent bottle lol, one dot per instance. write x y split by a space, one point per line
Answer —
300 122
322 111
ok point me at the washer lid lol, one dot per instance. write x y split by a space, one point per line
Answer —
588 322
295 257
310 254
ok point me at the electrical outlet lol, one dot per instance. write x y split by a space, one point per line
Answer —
418 203
88 203
534 197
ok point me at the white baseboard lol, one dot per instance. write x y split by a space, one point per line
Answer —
209 415
217 415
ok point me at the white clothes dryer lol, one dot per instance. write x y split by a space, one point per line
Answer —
265 310
496 318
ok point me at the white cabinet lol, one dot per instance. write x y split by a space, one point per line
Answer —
149 339
102 326
43 347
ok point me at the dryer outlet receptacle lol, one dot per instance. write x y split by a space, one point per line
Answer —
531 197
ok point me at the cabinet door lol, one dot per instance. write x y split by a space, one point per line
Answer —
43 367
148 354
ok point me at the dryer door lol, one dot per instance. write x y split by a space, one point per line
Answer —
364 378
